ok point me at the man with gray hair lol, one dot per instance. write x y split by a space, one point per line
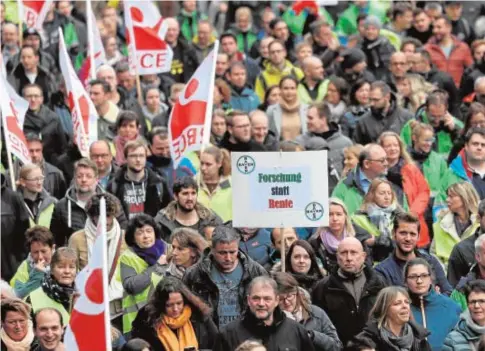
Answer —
222 276
265 320
477 271
464 254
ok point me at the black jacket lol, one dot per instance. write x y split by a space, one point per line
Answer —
204 328
378 53
283 335
190 60
128 103
44 78
250 146
69 217
54 181
370 127
462 258
198 280
66 161
47 125
471 74
371 331
349 318
15 221
156 191
271 142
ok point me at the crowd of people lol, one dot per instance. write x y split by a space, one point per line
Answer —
394 91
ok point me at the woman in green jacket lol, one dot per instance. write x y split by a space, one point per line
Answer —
457 222
375 218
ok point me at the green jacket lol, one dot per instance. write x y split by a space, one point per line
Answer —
305 96
347 21
188 23
272 75
446 236
435 170
220 200
444 139
38 300
296 24
350 191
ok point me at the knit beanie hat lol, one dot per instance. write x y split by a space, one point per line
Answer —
372 21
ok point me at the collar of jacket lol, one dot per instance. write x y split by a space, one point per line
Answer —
171 209
258 327
372 283
455 42
353 180
418 331
150 176
207 261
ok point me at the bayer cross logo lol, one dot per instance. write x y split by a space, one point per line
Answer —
314 211
246 164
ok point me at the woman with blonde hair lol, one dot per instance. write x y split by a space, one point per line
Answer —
17 332
251 345
351 158
38 202
457 222
326 239
215 190
391 326
408 182
413 90
373 222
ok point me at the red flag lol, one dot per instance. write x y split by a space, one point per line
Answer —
189 124
149 52
89 325
14 135
83 112
33 12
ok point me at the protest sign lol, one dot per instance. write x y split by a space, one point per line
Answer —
280 189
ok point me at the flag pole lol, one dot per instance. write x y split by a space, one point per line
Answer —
89 21
138 89
107 319
20 19
11 170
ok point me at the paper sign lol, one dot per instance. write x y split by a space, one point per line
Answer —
280 189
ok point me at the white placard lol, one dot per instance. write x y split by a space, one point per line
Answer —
279 189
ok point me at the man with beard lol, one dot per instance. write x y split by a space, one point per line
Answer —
398 68
385 115
264 317
312 88
405 234
238 134
186 211
353 66
161 162
100 153
348 294
463 256
139 189
69 214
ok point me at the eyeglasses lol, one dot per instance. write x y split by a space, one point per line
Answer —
288 297
415 277
36 179
473 303
95 157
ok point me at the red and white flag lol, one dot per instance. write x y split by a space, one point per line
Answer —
83 112
149 52
33 12
190 119
21 105
89 325
11 115
95 45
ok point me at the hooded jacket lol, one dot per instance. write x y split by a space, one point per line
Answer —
157 195
283 334
372 332
458 294
350 191
463 335
167 222
198 279
271 75
378 53
244 100
370 126
347 315
18 80
15 221
47 126
70 216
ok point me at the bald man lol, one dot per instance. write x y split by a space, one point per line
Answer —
348 293
185 60
313 87
260 130
398 68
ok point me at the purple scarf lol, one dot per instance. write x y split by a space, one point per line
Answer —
330 242
151 254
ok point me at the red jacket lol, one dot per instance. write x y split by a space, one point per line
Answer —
460 58
417 193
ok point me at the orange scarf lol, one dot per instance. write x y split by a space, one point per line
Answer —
185 336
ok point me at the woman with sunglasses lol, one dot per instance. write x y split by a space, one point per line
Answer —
296 304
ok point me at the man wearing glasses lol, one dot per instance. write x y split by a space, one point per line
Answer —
398 68
238 134
384 115
352 189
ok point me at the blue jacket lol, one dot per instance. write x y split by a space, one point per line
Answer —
246 101
258 247
460 338
442 314
391 269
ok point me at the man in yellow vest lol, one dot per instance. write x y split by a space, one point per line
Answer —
312 87
31 271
